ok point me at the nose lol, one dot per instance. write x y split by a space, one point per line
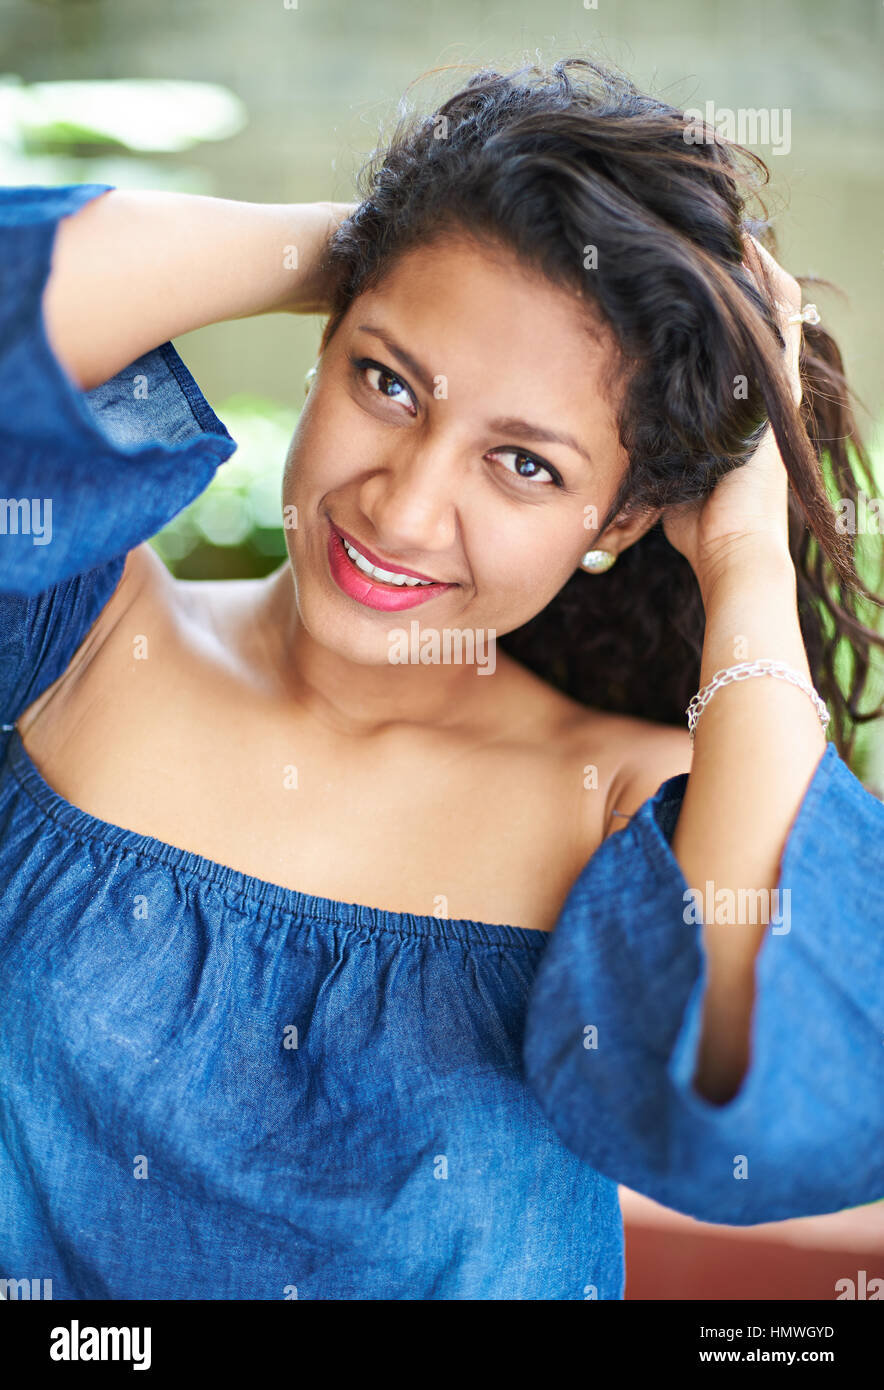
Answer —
412 504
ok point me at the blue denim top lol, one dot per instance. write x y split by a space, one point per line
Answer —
252 1092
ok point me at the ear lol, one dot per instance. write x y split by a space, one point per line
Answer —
628 526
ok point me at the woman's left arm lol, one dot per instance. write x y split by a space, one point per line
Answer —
757 745
758 741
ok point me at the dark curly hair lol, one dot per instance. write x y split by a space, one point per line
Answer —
550 161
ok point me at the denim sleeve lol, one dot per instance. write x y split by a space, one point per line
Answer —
84 475
803 1135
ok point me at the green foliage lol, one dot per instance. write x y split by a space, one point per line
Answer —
868 758
234 528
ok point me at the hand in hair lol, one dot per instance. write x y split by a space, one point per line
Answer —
747 513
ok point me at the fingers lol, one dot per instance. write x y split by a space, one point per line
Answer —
787 291
787 297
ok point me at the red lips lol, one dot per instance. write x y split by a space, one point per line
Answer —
374 593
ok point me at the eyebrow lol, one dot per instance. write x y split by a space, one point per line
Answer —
504 424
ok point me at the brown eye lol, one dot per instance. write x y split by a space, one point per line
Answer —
528 468
386 383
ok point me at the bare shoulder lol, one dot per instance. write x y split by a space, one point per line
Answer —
615 761
649 754
634 757
139 588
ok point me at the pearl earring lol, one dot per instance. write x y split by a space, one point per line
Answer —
308 379
597 561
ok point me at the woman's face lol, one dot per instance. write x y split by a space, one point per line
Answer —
457 428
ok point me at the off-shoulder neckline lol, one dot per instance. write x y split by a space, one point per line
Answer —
263 896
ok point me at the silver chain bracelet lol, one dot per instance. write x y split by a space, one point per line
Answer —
762 667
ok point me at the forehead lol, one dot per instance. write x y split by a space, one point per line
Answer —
466 308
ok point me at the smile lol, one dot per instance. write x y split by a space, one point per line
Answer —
372 584
375 572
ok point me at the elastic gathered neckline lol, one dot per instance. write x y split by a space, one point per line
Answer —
262 896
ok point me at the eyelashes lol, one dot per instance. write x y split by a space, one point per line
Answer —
362 366
555 480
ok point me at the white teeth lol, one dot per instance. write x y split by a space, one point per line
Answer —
376 573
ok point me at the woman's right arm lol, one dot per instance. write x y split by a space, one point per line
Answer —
133 269
104 433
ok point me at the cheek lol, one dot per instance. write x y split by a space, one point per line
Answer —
523 570
319 457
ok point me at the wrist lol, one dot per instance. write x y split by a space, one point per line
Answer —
309 227
751 594
757 562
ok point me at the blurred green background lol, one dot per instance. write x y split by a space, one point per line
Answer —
281 101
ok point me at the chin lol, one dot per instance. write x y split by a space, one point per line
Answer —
350 636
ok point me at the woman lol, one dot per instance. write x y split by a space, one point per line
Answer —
286 1015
